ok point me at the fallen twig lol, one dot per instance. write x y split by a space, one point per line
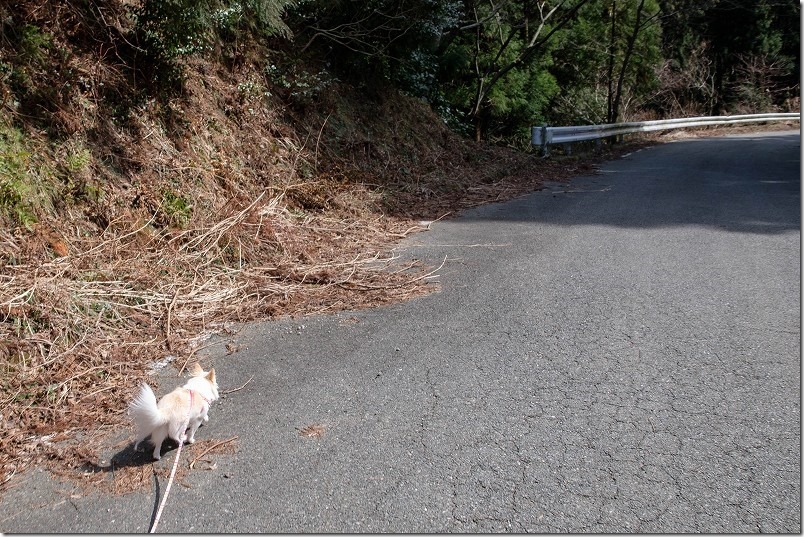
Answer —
192 352
238 389
222 442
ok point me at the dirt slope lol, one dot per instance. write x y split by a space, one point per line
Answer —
135 224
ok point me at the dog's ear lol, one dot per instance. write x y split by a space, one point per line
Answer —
196 370
211 375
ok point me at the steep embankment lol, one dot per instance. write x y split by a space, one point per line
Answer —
136 221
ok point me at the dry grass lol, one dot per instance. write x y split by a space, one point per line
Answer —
79 331
218 206
281 220
129 472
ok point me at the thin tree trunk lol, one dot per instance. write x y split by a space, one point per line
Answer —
492 75
629 50
612 56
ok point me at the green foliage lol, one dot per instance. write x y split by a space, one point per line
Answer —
12 202
29 185
33 44
752 64
15 184
30 47
74 159
251 18
490 69
495 68
300 84
176 208
521 97
592 53
171 29
730 55
77 160
377 42
174 28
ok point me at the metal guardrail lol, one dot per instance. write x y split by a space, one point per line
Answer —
543 135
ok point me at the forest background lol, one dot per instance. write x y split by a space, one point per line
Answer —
170 167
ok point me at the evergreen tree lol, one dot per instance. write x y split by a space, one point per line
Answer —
606 61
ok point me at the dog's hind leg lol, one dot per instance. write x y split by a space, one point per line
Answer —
157 437
140 438
176 432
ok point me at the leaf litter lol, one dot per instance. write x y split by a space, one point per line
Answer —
93 300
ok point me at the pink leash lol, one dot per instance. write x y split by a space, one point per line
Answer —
175 464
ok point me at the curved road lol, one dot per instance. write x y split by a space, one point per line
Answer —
616 354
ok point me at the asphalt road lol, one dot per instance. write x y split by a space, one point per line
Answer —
617 354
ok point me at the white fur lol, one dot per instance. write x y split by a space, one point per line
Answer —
167 418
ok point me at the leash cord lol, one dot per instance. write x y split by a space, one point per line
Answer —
173 470
167 489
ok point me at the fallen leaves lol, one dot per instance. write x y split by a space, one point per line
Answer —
314 430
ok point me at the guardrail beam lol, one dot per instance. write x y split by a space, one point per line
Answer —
543 135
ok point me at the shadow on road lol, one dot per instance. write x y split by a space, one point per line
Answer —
128 457
745 184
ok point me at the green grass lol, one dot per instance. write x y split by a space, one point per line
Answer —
15 184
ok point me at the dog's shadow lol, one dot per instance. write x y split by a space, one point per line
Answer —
128 457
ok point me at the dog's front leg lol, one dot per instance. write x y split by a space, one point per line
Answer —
194 425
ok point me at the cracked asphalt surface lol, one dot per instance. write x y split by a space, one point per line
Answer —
616 354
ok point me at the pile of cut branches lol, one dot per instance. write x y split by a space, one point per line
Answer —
158 236
78 332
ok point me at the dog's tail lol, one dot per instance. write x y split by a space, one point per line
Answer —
143 409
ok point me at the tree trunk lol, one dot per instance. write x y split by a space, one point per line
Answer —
612 55
629 50
489 77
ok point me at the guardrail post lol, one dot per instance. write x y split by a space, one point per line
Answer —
546 139
539 137
536 136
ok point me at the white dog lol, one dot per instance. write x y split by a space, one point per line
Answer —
183 408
